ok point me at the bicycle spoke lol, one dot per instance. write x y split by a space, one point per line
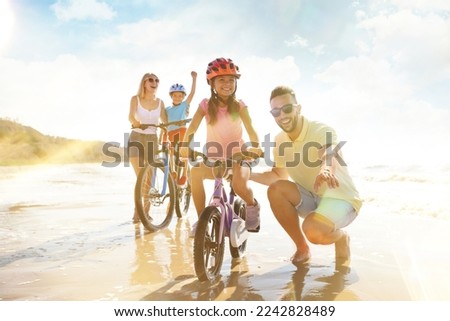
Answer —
154 209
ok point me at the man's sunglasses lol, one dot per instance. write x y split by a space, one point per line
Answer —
153 80
286 109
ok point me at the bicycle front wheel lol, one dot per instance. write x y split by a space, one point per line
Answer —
154 198
208 247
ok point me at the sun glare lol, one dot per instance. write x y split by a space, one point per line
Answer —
6 23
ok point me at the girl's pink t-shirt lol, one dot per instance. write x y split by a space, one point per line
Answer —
224 138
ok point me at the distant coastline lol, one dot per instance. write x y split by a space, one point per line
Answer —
24 145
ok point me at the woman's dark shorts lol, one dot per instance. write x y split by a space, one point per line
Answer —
143 146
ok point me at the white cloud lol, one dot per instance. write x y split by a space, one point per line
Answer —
297 41
418 44
302 42
7 19
70 97
410 132
361 15
67 10
318 50
369 75
375 110
423 4
145 35
374 97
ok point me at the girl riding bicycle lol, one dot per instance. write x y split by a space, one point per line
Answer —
224 116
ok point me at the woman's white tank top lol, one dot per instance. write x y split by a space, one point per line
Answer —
145 116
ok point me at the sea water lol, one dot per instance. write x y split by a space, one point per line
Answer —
397 190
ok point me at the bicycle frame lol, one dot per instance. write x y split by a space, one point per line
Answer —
219 199
166 166
167 159
223 217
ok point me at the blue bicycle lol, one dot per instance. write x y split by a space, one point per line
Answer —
156 193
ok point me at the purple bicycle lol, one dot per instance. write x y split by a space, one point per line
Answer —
223 217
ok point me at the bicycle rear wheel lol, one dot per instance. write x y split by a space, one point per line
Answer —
154 198
208 247
183 198
239 209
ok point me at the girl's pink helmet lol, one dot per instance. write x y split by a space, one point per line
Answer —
221 67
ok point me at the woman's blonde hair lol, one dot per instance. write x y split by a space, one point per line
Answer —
141 90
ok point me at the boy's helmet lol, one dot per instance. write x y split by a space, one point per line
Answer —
177 88
221 67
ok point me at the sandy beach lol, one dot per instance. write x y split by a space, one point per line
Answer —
66 234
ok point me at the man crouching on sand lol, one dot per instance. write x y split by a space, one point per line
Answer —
320 190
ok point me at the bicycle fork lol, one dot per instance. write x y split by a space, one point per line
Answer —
231 224
166 178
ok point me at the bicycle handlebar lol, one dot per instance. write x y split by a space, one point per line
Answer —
238 157
164 125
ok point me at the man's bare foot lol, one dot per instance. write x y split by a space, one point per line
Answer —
300 257
342 247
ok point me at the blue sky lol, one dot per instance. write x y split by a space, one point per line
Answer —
378 71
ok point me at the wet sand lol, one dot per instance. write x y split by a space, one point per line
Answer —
66 239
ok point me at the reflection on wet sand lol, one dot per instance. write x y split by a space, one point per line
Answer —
234 287
237 285
162 256
320 285
165 258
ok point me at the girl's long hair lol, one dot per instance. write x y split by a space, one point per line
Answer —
214 101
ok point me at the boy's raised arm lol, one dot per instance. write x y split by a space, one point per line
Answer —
193 87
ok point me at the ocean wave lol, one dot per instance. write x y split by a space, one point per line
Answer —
406 174
409 190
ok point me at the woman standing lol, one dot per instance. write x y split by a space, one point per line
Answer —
145 108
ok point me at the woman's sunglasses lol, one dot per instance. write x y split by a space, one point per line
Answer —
153 80
286 109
